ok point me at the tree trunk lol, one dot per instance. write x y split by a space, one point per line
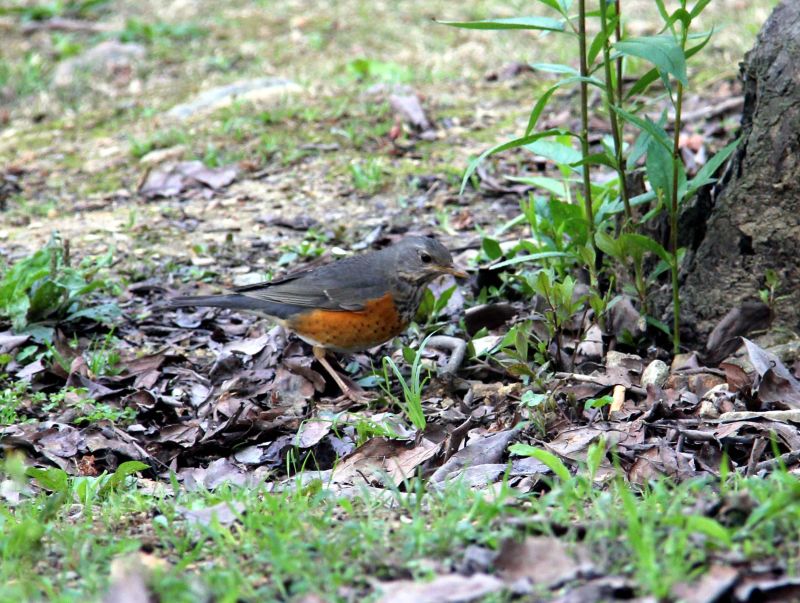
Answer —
752 218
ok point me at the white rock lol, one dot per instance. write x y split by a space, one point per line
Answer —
261 91
656 373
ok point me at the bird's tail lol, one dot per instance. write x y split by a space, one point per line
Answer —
234 302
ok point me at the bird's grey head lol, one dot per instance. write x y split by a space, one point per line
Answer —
421 259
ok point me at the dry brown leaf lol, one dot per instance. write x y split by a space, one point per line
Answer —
169 180
225 513
396 459
661 460
451 588
487 451
542 560
311 432
713 585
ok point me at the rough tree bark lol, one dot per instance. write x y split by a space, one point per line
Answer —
751 221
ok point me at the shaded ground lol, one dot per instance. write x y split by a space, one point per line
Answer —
220 398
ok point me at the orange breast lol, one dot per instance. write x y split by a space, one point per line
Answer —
349 331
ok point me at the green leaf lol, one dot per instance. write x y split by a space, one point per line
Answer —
555 68
124 470
643 198
710 527
661 326
491 248
511 144
561 6
542 101
641 242
651 76
536 23
555 464
646 124
53 479
597 159
643 83
662 51
681 15
104 313
609 245
530 258
444 298
551 185
538 107
659 168
705 175
599 40
556 151
45 297
699 7
595 455
662 10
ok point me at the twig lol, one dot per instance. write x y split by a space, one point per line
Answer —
787 459
69 25
729 104
457 348
598 381
456 437
702 370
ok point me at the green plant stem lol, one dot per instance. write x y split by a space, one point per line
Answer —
618 35
676 158
615 125
587 183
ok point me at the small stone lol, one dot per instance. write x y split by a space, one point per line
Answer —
107 59
656 373
708 410
615 359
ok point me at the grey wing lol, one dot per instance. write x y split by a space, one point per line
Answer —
324 287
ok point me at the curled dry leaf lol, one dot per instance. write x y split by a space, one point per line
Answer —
775 384
170 180
738 322
409 108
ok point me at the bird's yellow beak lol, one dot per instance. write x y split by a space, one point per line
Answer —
454 271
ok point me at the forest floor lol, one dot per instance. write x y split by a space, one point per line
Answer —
155 454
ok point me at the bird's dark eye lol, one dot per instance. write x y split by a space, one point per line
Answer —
426 259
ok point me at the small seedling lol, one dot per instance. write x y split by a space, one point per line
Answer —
411 404
367 176
46 289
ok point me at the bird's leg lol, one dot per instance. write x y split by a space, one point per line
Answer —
352 390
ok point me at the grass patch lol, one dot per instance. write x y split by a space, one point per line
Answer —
307 540
162 139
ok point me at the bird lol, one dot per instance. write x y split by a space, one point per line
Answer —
348 305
